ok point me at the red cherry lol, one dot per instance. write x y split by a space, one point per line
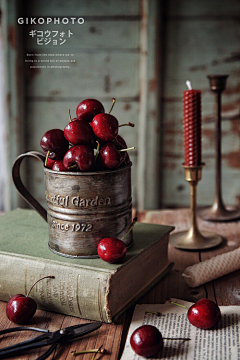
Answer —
54 143
111 250
146 341
105 127
119 140
21 308
88 108
204 314
50 163
58 166
79 157
110 157
79 132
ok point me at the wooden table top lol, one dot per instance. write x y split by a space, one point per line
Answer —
225 291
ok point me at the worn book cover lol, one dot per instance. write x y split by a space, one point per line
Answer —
87 288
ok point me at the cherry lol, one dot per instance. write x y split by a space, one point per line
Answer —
105 126
111 156
79 157
79 132
119 140
88 108
204 314
58 166
54 144
146 341
21 308
50 163
113 250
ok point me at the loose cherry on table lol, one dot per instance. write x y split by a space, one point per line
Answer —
146 341
54 144
113 250
88 108
21 308
79 158
105 126
204 314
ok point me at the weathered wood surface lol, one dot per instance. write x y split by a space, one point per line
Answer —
224 290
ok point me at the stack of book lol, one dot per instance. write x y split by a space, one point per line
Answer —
87 288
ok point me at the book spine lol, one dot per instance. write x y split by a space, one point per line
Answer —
73 291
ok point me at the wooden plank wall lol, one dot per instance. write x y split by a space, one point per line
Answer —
140 52
106 54
201 38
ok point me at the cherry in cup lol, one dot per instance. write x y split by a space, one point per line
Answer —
54 144
58 166
105 126
21 308
113 250
204 314
112 155
79 158
88 108
79 132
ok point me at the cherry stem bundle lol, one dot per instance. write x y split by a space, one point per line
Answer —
113 102
131 227
69 115
45 277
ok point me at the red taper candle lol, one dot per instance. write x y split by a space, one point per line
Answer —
192 124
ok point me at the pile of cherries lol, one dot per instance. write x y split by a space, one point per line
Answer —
88 142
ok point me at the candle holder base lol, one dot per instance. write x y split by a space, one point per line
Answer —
228 213
186 240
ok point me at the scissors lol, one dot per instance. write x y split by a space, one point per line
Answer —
48 338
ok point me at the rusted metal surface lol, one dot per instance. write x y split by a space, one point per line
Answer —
82 207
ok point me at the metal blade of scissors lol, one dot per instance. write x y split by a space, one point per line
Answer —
80 330
50 338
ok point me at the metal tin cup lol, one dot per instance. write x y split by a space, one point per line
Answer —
82 207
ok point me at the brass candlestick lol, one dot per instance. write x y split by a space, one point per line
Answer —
193 239
218 211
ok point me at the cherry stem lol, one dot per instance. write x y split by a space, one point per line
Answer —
131 227
131 148
128 124
113 102
185 339
45 277
97 151
99 350
172 302
46 159
69 115
72 167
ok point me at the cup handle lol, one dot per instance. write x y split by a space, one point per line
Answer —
21 188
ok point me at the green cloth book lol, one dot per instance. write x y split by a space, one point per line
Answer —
86 288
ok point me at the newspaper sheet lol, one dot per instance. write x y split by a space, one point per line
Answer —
219 343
